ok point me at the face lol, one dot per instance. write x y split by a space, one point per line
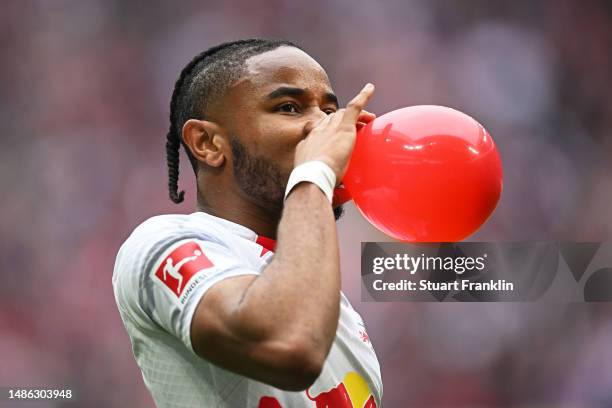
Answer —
267 113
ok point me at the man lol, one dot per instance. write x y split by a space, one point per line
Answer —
239 304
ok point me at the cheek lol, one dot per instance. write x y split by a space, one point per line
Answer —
279 137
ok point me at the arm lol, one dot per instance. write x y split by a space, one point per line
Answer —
278 327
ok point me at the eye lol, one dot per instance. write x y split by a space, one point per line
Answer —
329 111
288 107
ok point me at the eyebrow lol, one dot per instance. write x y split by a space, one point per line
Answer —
299 92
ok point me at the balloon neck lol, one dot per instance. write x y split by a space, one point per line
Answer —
341 196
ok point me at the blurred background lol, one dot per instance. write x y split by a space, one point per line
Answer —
84 113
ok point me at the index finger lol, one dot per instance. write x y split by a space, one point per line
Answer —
356 105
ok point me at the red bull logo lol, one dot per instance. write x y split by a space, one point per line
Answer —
352 392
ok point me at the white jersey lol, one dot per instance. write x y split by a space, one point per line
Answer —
162 271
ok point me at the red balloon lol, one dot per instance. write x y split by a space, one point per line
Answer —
425 173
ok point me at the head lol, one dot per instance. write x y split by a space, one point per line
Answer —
239 110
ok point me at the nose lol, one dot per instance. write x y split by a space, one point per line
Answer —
317 116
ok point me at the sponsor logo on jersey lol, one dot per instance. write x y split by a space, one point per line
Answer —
180 266
363 335
352 392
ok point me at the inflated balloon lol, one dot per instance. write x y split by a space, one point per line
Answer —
425 173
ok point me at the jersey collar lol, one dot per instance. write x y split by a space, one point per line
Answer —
267 243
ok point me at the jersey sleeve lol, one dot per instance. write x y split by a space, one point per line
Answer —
171 278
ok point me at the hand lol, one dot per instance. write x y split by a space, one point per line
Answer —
332 139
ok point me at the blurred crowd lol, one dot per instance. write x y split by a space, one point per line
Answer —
84 112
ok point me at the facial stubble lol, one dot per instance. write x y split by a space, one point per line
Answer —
262 180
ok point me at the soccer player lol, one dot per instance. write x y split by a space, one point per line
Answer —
239 303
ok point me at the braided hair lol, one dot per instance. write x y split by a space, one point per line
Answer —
204 79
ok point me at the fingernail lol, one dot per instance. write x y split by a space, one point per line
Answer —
368 86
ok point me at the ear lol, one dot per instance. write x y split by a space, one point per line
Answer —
205 141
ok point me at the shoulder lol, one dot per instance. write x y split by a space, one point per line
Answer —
175 225
161 231
154 237
166 265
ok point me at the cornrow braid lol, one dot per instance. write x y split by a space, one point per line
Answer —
173 137
205 78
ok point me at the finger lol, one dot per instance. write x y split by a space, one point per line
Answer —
366 117
337 116
365 112
311 124
356 105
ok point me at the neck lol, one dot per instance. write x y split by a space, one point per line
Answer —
233 206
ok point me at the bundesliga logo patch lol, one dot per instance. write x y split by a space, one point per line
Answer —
177 269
